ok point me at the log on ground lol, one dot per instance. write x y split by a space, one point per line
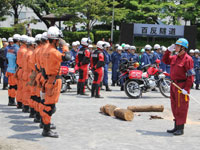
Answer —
147 108
108 109
124 114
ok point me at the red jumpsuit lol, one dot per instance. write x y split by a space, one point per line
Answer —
97 64
181 73
82 59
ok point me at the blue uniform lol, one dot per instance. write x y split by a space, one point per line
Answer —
73 54
155 57
162 64
134 57
64 63
107 59
145 59
197 69
12 56
115 57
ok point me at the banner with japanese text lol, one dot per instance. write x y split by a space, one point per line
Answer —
158 30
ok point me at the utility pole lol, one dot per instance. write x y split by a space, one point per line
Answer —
113 18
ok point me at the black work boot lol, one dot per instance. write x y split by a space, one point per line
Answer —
122 88
93 90
180 130
197 86
113 83
5 86
78 88
82 89
97 91
37 117
11 101
47 132
19 105
32 113
107 88
173 130
25 109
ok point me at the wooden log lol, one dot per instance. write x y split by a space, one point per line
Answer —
108 109
147 108
124 114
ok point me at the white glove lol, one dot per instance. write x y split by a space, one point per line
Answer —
184 92
171 48
42 95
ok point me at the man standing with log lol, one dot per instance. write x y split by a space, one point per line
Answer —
182 74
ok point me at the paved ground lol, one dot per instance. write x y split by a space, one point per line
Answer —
82 127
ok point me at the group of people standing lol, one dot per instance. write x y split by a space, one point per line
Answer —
33 72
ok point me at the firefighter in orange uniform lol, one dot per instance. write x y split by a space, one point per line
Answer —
97 65
19 72
181 73
52 60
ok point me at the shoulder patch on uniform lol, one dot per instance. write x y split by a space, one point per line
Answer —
190 72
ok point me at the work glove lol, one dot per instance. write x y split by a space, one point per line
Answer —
184 92
42 95
171 48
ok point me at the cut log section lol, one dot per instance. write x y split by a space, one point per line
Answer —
148 108
124 114
108 109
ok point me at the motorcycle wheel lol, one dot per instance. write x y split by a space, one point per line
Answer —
132 89
89 83
164 87
64 86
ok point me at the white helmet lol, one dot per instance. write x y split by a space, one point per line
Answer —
24 38
53 33
191 51
156 46
31 40
44 36
127 46
148 47
107 45
133 47
85 41
117 45
152 51
90 46
38 37
10 39
4 40
100 44
68 45
119 48
78 43
74 44
164 48
196 51
16 37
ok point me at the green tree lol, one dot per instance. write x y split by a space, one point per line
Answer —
4 9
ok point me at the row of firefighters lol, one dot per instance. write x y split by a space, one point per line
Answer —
34 75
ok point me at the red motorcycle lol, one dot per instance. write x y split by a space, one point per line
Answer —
144 80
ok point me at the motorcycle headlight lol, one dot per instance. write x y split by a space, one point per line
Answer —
161 76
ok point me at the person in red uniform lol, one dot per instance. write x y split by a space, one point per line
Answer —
97 64
52 61
83 60
181 73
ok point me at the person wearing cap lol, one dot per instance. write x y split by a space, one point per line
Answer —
156 54
191 53
107 60
51 62
196 60
146 58
12 66
90 47
162 64
115 59
133 56
74 50
182 74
